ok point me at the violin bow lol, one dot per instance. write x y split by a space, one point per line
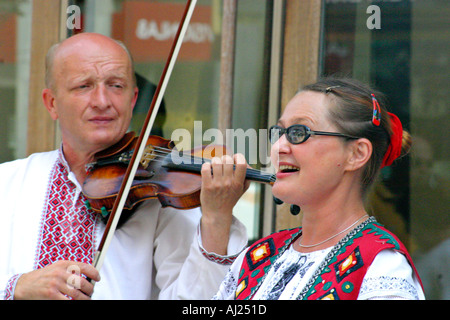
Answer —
143 136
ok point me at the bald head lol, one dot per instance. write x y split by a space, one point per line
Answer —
86 43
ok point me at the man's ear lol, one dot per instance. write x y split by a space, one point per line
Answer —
49 102
360 152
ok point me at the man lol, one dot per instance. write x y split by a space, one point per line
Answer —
48 235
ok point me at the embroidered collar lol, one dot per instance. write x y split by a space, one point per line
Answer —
62 160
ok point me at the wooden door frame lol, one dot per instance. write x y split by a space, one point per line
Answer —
48 27
300 66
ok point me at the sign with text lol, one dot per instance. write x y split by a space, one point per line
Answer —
149 28
7 38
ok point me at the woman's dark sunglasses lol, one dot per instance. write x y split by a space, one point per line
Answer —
299 133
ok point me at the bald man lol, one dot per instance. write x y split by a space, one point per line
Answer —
48 235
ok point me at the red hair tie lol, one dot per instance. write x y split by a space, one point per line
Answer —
395 145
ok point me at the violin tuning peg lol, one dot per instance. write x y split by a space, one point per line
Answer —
277 201
295 210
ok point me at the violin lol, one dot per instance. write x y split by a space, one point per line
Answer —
163 172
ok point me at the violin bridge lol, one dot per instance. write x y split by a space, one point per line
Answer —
147 156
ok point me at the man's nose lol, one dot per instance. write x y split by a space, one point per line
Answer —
100 97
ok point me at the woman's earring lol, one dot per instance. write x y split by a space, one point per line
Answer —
295 210
277 201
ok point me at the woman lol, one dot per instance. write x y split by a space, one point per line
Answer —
328 147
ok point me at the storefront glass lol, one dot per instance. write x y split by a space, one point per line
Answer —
402 48
15 40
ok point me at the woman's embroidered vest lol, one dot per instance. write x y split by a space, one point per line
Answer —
341 273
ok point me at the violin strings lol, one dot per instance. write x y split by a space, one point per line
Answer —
160 154
198 160
165 151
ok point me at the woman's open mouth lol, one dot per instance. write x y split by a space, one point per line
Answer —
285 170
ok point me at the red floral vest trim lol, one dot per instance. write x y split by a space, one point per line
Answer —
259 259
341 273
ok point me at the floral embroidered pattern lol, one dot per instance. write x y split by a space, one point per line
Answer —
224 260
258 262
383 285
283 274
11 286
229 283
68 226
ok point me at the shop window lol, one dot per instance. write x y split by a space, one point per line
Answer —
404 54
15 28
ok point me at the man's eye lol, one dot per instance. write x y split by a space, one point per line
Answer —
82 86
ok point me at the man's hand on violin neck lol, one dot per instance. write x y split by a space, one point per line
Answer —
59 281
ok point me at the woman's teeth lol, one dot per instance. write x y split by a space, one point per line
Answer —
287 168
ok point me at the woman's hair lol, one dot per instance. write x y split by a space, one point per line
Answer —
351 110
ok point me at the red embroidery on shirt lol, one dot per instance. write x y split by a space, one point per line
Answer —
67 230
